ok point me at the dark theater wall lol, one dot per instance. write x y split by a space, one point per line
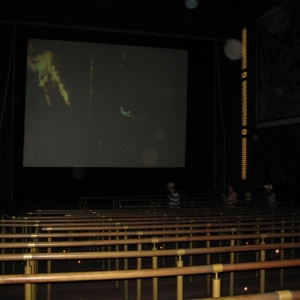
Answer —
213 117
274 146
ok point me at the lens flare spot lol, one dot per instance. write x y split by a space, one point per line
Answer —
149 157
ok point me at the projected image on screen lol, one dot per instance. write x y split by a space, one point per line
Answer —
99 105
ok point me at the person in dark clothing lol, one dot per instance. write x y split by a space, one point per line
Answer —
174 196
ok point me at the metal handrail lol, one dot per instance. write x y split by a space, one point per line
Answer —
146 273
143 253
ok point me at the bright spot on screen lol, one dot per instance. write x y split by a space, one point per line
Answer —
149 158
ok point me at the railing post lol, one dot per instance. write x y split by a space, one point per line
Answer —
3 252
231 274
293 240
103 250
155 279
109 250
117 261
238 242
70 240
126 294
14 251
176 244
220 242
282 258
28 288
257 252
217 281
139 281
49 271
208 287
262 272
179 280
191 256
216 286
164 247
32 263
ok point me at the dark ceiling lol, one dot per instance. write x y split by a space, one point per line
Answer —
212 18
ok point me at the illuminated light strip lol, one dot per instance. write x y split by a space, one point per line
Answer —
244 115
244 103
244 158
244 49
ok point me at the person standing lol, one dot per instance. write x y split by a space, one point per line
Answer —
174 196
271 195
231 198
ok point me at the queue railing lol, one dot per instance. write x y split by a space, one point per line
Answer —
257 228
30 279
